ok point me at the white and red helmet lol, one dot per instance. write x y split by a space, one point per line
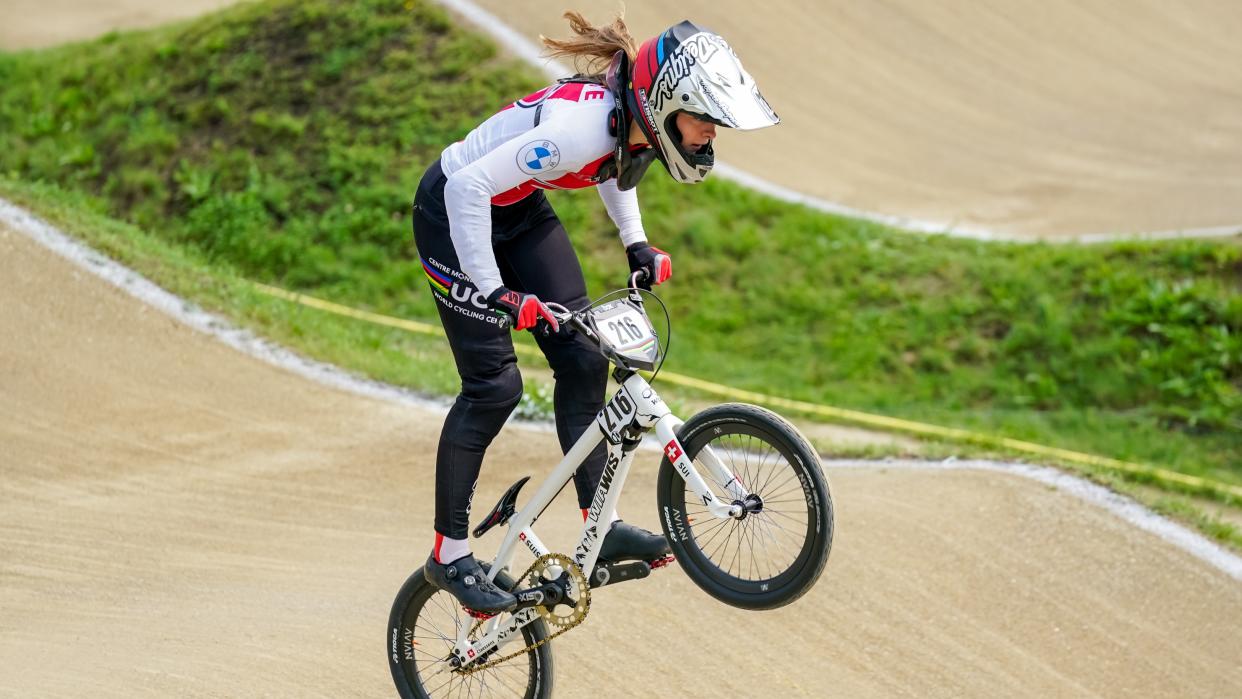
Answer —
689 68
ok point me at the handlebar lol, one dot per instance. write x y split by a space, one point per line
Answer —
577 319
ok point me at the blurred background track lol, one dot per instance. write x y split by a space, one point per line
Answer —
1055 119
37 23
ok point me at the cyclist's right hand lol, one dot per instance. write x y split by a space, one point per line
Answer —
524 310
652 265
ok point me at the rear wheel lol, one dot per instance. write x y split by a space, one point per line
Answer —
777 551
422 630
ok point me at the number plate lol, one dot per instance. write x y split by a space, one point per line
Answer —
628 333
617 415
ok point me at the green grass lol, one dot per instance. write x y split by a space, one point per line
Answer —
282 142
1212 525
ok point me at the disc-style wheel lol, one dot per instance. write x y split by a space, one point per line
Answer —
774 553
422 630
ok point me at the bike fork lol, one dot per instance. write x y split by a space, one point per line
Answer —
666 432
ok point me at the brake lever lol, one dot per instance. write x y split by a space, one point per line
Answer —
564 318
635 279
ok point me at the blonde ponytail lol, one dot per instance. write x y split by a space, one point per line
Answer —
593 47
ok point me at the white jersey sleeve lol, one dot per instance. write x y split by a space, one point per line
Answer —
560 145
622 208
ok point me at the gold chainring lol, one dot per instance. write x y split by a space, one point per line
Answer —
560 620
573 610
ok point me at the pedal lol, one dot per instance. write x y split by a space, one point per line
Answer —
611 573
662 562
482 616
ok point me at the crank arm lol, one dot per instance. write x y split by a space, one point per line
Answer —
612 573
548 594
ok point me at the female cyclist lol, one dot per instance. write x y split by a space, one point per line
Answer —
494 251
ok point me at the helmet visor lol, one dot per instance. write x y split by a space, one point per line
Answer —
729 96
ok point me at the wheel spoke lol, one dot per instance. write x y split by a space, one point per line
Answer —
786 515
720 543
782 488
774 472
714 537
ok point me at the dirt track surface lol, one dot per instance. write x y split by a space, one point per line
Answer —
178 519
1032 118
36 23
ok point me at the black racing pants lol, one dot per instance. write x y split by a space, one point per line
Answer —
535 256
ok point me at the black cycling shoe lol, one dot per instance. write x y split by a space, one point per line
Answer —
626 542
465 580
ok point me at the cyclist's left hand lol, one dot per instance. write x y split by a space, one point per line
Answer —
656 265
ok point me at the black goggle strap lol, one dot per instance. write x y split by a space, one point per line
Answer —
629 163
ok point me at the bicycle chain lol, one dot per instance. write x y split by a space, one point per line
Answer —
574 572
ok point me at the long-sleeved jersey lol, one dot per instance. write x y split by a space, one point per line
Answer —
556 138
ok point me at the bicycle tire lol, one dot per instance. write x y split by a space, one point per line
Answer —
796 532
419 598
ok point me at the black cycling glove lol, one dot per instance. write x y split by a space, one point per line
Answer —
654 263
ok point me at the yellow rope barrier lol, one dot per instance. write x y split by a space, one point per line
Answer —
883 422
898 424
400 323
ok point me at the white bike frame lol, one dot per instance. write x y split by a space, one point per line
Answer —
634 409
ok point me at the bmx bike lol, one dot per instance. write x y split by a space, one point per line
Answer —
743 503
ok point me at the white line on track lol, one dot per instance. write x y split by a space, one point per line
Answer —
187 313
530 52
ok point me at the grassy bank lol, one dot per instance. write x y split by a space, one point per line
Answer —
282 141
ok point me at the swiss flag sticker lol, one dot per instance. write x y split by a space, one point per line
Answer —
672 450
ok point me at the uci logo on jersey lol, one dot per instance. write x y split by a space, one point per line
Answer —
538 157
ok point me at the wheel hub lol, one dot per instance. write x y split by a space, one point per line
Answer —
751 504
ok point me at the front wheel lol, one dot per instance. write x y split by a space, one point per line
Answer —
422 629
776 552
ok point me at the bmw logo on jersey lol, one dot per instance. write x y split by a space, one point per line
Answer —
538 157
